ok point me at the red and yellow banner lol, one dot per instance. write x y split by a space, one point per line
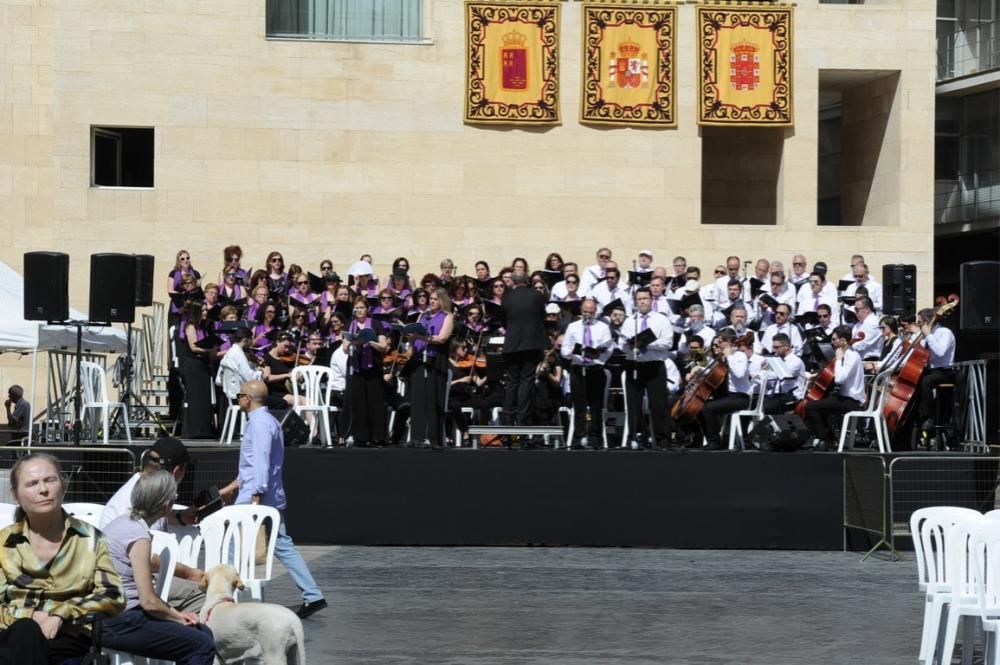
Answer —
628 64
745 77
512 72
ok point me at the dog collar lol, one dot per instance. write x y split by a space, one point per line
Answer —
224 599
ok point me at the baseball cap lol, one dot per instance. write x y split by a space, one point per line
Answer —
646 252
551 308
170 451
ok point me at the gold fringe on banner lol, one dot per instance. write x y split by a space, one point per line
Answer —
628 64
512 62
745 71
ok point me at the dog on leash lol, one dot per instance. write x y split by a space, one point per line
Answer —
249 631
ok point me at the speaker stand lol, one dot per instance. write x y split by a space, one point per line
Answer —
128 397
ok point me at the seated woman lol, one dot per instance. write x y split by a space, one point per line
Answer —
148 626
54 570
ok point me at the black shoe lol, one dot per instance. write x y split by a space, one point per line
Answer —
309 609
714 445
822 447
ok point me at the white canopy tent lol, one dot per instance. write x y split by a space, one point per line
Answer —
18 334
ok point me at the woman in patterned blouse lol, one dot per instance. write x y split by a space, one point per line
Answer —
54 570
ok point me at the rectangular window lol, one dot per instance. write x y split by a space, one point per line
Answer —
121 156
347 20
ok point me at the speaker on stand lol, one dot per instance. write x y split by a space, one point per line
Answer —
899 290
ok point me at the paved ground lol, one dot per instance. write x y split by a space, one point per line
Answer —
573 606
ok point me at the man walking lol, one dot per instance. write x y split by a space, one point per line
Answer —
262 456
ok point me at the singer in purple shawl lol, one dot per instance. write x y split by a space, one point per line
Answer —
364 395
183 272
301 298
195 368
429 372
277 278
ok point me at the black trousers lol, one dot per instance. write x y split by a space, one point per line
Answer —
931 379
649 379
519 379
364 399
22 643
586 389
713 414
427 388
781 403
198 389
819 412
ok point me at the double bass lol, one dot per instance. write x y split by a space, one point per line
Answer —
904 380
700 389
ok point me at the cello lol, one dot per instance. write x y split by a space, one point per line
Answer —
905 379
821 383
701 388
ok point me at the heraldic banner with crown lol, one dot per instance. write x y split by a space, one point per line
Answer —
745 77
512 65
628 64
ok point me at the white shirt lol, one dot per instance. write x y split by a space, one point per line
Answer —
591 276
738 378
600 335
707 335
722 288
792 331
121 504
558 291
807 301
604 295
659 349
673 376
338 363
796 383
849 375
941 344
871 345
874 292
234 371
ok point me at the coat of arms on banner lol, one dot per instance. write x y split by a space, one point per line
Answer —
745 51
512 73
628 64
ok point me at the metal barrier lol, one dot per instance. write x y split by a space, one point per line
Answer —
210 466
882 492
970 424
94 473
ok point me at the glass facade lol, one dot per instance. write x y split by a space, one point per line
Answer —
967 158
346 20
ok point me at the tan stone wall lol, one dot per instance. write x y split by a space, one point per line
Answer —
335 149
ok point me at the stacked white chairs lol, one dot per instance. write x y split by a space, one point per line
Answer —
95 398
985 545
230 537
878 394
758 391
7 514
313 378
88 512
941 545
165 545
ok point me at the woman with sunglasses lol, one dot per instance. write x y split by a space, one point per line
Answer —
364 394
572 283
402 264
429 372
277 278
231 257
386 302
892 345
497 290
302 299
183 274
232 289
399 285
420 303
261 331
195 368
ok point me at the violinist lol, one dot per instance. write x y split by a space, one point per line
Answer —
849 376
940 342
467 384
299 330
364 395
548 393
428 376
868 338
735 396
238 366
587 345
784 394
279 363
646 373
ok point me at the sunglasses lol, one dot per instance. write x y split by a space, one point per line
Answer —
185 258
386 298
572 281
720 272
276 259
796 263
604 257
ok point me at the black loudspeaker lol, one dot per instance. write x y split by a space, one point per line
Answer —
783 433
899 289
980 296
143 280
295 429
46 286
112 288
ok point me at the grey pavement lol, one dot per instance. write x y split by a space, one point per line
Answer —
582 606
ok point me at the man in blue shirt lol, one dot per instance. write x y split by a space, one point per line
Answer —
262 456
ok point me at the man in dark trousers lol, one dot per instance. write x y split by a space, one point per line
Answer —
523 348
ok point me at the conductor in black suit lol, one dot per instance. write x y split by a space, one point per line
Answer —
523 348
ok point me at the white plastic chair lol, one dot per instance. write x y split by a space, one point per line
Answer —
165 545
88 512
7 514
317 398
95 397
985 545
960 601
189 550
930 530
254 517
877 396
221 538
234 413
758 392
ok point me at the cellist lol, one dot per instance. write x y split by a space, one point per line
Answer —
940 342
736 396
849 377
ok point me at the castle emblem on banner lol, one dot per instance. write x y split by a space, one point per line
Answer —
744 67
514 61
628 70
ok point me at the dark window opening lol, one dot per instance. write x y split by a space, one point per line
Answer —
122 156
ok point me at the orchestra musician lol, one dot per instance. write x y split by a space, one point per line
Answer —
784 394
892 346
735 396
940 343
364 396
849 377
646 373
866 333
429 374
587 345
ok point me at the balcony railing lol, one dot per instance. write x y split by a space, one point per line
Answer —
971 49
972 196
